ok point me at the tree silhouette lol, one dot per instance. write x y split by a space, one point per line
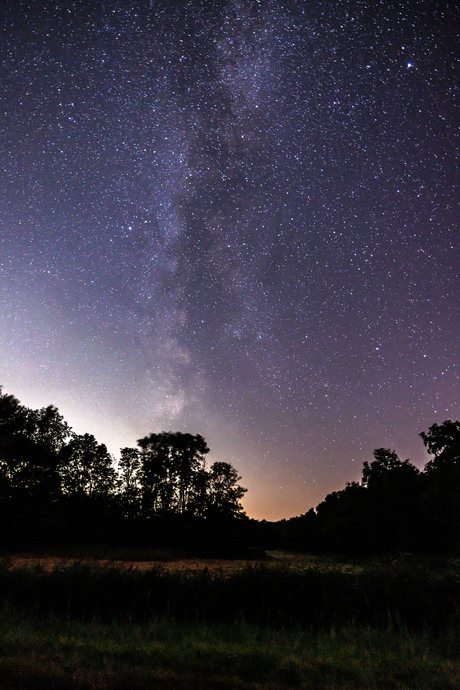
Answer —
225 493
189 458
386 470
155 474
48 428
343 521
199 494
394 488
443 441
29 444
48 432
441 496
86 468
169 465
15 465
130 492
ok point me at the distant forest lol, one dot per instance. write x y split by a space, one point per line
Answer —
59 489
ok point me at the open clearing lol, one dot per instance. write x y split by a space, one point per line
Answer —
274 559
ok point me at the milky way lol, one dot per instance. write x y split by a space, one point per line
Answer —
237 219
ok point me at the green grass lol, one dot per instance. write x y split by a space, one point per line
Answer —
69 654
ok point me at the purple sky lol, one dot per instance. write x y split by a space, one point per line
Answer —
237 219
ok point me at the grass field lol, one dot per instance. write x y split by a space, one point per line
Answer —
171 560
69 654
292 622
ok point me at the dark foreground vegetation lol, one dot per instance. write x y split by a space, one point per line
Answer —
67 655
386 624
378 595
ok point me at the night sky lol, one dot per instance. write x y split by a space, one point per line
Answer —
237 219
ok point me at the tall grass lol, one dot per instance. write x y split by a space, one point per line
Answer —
70 654
376 596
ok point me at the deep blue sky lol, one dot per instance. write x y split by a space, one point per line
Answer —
237 219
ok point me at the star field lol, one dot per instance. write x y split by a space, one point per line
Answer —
238 219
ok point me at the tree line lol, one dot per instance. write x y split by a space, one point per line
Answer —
59 487
51 476
394 508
